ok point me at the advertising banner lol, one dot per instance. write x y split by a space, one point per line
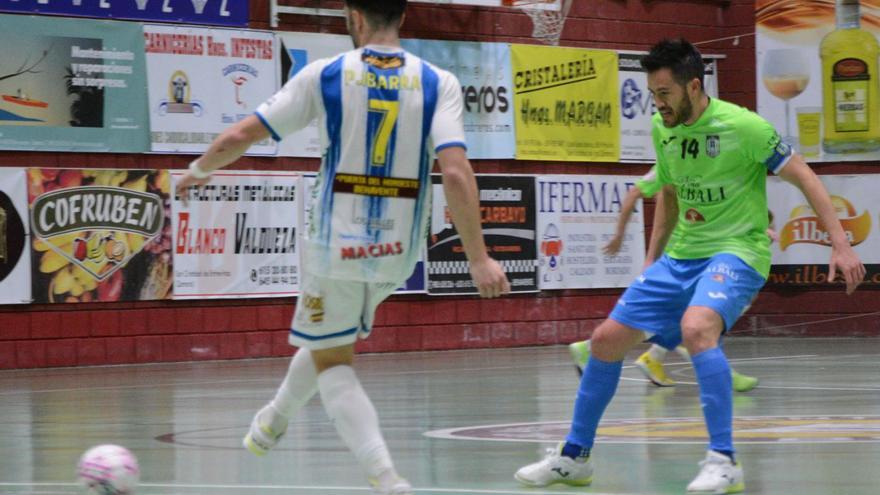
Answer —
100 235
819 78
214 12
238 236
72 85
566 103
507 210
803 251
637 106
484 71
549 5
15 270
297 51
577 217
201 81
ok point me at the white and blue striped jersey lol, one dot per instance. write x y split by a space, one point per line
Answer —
382 113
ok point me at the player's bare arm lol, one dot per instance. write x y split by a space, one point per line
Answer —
626 211
843 257
227 148
462 196
665 219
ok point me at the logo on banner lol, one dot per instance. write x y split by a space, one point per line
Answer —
632 101
551 249
713 146
97 228
803 225
12 236
180 96
240 74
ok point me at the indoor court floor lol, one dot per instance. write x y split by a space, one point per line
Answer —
458 422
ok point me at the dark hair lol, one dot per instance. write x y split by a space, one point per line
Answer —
381 13
679 56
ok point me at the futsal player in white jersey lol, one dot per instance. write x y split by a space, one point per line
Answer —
383 115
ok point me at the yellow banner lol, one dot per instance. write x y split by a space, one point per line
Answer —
566 104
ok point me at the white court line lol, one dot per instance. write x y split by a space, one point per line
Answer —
303 487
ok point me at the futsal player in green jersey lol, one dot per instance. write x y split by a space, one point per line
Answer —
712 161
650 363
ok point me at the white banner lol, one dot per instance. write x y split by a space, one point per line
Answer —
15 259
802 254
577 215
201 81
297 51
238 236
637 106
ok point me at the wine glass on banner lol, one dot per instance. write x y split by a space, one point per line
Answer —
785 74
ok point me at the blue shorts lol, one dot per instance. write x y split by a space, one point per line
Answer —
657 299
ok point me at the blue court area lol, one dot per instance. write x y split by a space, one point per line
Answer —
457 422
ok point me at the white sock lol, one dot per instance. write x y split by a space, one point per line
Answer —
657 353
300 385
355 419
683 352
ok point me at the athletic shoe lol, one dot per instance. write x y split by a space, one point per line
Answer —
556 468
262 436
654 371
718 474
392 485
580 354
743 383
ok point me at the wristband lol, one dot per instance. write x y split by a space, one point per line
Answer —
197 172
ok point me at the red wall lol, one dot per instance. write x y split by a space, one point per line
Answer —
87 334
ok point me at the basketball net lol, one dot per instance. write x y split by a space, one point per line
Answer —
547 22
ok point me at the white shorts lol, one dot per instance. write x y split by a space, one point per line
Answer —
333 313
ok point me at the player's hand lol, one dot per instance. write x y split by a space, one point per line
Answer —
613 247
489 278
185 183
774 237
845 259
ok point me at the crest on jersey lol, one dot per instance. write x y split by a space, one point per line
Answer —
383 61
713 146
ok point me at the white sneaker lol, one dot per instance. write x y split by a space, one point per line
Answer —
266 429
393 485
556 468
718 474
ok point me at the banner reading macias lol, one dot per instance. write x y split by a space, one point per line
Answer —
566 104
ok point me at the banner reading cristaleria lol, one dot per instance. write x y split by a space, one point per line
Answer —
72 85
507 213
803 251
238 236
297 51
483 69
15 271
566 104
100 235
577 217
201 81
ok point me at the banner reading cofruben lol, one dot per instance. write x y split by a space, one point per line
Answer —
72 85
566 104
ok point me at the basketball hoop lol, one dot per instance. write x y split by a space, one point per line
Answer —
548 17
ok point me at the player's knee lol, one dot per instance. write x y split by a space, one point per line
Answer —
698 334
605 344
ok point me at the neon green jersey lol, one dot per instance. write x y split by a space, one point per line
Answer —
649 185
719 168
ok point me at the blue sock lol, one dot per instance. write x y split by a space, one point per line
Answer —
716 396
596 390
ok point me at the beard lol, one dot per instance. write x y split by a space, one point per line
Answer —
681 114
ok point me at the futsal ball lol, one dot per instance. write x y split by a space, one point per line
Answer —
108 470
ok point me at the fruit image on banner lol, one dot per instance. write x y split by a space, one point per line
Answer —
100 235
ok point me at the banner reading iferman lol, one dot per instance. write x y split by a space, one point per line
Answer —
72 85
202 81
577 216
803 251
15 274
237 236
566 104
